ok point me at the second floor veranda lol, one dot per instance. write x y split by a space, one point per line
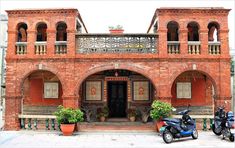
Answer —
117 46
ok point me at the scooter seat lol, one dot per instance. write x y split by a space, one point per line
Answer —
171 120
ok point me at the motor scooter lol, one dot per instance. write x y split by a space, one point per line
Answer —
178 128
224 124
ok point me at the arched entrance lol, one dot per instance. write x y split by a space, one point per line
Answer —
118 90
42 93
194 88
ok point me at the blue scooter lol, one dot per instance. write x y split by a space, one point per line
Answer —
178 128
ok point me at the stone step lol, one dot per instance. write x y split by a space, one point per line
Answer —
117 126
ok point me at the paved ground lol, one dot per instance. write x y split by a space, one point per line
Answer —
32 139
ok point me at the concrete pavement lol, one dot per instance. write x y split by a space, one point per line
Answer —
31 139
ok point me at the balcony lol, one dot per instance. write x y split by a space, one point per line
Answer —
60 47
21 48
40 48
194 47
214 48
173 47
119 43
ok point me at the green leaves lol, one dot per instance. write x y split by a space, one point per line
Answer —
68 115
160 110
103 112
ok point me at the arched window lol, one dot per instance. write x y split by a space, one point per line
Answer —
213 32
193 29
61 34
22 32
172 31
41 32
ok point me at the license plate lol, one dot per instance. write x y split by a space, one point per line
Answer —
232 131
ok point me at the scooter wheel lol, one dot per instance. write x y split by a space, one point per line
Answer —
195 134
231 138
216 131
167 136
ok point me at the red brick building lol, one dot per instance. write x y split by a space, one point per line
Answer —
52 60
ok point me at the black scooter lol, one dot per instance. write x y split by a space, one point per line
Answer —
224 124
178 128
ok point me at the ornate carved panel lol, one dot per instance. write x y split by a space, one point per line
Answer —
51 90
141 90
124 43
93 90
183 90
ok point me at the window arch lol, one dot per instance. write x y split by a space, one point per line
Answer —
42 32
213 31
172 31
193 31
61 33
22 32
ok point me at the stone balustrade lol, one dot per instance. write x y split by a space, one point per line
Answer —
214 48
21 48
194 47
173 47
60 47
40 48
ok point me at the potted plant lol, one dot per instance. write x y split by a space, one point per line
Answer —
116 30
160 110
67 118
102 113
131 114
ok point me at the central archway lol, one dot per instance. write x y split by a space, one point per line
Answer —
120 91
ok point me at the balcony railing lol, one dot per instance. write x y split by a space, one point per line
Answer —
40 48
60 47
214 48
173 47
194 47
122 43
21 48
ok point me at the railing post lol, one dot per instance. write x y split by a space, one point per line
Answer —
204 124
53 124
211 123
35 123
29 124
47 124
22 123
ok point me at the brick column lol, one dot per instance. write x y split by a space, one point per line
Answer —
12 110
31 39
204 41
165 99
51 38
224 46
183 39
162 43
223 101
71 101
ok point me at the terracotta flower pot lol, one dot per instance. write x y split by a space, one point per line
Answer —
67 129
116 31
102 119
159 124
132 119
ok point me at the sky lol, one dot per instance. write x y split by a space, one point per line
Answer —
134 15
